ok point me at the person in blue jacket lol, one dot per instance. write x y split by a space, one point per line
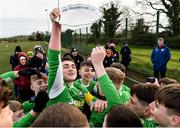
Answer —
160 57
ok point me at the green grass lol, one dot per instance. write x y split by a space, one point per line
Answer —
7 49
141 61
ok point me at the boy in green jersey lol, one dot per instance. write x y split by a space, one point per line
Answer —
61 76
142 95
110 85
87 74
166 107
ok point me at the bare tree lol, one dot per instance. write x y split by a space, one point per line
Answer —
170 7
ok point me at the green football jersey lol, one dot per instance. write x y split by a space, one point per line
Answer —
113 97
61 92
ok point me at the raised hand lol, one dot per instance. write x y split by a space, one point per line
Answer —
97 55
55 15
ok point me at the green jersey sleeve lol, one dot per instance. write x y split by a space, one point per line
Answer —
25 121
8 76
109 90
27 106
55 75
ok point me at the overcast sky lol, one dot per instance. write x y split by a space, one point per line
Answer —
19 17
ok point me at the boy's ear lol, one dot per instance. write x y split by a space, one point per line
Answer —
31 87
175 120
80 71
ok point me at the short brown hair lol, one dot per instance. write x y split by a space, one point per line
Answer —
118 66
5 94
36 77
87 63
15 105
161 39
67 59
166 81
61 115
121 116
116 75
169 96
145 91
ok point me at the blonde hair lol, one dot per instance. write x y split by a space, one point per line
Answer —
116 75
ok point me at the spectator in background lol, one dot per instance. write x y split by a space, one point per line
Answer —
160 57
30 54
115 53
14 58
109 58
39 60
125 52
14 61
23 82
76 57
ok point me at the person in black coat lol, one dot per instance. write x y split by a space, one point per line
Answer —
125 52
39 60
109 58
14 61
76 57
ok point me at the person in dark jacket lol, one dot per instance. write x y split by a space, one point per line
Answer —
76 57
39 60
160 57
109 58
125 52
14 58
14 61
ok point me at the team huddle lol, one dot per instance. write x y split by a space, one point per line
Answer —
86 95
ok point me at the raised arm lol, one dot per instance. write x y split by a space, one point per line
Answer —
97 57
55 40
55 76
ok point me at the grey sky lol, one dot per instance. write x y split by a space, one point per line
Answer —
26 16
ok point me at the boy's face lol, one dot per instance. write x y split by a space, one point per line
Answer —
159 114
38 85
69 71
87 73
6 117
136 105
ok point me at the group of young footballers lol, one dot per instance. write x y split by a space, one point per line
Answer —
61 100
